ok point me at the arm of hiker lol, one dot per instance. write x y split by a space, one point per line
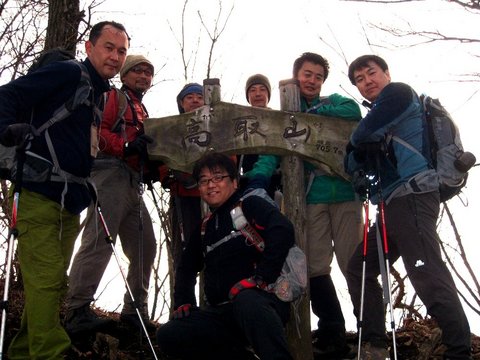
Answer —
341 107
386 112
277 232
15 134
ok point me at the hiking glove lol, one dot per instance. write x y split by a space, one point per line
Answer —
137 146
249 283
187 180
15 134
183 311
360 183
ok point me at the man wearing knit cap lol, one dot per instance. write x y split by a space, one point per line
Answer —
184 211
118 175
258 90
190 98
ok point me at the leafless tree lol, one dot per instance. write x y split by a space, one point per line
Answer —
418 36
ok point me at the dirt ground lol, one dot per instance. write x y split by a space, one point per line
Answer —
415 340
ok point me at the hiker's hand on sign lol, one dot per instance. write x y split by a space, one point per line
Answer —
16 134
137 146
248 283
185 179
183 311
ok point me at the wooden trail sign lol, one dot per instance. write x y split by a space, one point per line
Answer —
181 140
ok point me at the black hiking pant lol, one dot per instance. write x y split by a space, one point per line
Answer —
254 318
411 234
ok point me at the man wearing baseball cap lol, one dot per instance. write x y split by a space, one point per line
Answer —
118 177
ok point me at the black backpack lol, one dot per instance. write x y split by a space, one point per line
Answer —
35 167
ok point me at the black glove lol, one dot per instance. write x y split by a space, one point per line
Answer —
137 146
372 147
16 134
183 311
349 148
360 183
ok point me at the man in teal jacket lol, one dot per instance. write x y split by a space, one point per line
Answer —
334 215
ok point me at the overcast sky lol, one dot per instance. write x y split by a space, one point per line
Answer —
266 36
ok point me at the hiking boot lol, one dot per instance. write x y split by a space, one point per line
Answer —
330 346
132 320
83 320
370 352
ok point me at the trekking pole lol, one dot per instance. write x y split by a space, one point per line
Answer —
386 263
364 261
12 236
141 190
109 240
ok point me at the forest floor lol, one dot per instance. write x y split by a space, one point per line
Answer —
415 340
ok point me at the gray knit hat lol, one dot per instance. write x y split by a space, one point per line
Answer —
258 79
134 60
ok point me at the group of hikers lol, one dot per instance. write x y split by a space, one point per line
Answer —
99 157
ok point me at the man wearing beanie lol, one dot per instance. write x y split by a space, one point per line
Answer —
117 176
185 210
190 98
258 90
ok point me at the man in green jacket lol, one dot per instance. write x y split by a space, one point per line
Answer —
334 215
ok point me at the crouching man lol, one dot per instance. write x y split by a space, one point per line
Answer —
239 311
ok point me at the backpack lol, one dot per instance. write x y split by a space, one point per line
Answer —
37 168
123 103
446 150
293 280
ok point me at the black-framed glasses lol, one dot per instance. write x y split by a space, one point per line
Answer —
139 70
214 179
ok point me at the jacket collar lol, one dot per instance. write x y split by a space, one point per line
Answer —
98 83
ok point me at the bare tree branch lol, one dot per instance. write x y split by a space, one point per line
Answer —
216 33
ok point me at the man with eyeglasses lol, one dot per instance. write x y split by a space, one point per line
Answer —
239 309
118 175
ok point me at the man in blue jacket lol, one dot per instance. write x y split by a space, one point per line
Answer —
408 187
239 308
49 211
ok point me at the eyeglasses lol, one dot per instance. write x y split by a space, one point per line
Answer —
139 70
214 179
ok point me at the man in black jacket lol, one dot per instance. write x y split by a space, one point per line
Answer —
49 211
240 310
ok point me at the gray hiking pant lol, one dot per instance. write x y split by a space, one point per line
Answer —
121 205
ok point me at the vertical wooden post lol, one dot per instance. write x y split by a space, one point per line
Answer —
211 95
211 91
298 330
